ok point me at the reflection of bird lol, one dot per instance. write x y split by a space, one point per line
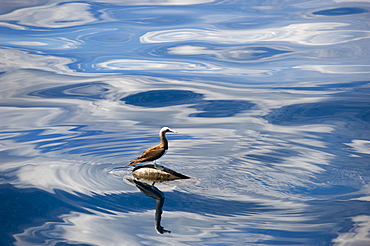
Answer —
157 173
158 195
155 152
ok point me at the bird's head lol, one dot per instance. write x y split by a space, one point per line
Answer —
167 129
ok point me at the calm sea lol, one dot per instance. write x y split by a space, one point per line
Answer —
271 100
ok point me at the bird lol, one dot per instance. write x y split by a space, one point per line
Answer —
155 152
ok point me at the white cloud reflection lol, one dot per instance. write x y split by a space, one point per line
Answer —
51 16
14 59
132 64
320 33
29 43
337 69
360 146
155 2
137 228
346 1
239 54
359 234
176 66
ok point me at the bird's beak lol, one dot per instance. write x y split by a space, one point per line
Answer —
175 132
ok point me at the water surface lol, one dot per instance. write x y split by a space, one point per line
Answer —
270 99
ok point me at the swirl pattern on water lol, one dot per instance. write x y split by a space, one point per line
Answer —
325 33
52 16
271 104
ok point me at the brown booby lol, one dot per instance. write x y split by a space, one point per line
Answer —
155 152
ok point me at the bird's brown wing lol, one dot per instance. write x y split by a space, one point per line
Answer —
151 154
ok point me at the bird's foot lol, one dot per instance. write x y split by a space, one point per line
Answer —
161 230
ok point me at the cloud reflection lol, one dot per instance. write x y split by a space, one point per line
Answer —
116 65
13 59
155 2
321 33
268 158
337 69
113 219
357 235
232 54
51 16
132 64
360 146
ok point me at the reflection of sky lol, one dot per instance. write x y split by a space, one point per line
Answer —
295 153
102 104
337 69
220 40
358 235
360 146
321 33
279 148
18 59
155 2
129 64
51 16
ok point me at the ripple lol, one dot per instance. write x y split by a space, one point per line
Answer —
231 54
20 59
360 146
110 38
133 64
70 176
321 33
87 91
321 112
337 69
156 2
270 124
52 16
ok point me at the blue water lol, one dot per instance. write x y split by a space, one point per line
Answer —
271 100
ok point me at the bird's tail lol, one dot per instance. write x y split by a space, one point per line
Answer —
133 162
